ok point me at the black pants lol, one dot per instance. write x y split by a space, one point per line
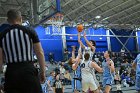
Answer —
22 78
115 81
58 90
119 91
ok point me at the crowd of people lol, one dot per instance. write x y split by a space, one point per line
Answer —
124 75
63 75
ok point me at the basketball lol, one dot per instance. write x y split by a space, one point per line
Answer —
80 28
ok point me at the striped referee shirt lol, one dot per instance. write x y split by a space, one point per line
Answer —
58 84
17 43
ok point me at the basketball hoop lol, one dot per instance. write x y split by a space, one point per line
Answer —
56 22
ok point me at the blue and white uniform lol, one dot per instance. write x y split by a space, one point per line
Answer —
87 76
137 61
76 81
108 76
88 50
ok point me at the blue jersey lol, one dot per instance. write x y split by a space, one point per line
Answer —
137 61
76 81
77 72
51 79
106 70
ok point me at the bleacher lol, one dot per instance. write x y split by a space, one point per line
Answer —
68 89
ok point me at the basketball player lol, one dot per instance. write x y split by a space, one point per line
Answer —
108 72
91 45
136 65
87 78
91 49
75 63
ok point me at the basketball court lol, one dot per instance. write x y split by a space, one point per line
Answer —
113 24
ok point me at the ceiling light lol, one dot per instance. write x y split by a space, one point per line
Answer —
98 17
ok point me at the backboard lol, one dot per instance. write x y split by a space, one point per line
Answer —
47 9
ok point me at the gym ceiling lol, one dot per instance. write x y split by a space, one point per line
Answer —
109 13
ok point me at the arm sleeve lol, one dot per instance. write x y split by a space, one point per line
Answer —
49 79
34 36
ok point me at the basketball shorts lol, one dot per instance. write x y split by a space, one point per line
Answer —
86 84
76 85
107 81
138 83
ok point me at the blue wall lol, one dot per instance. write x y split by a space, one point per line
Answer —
116 45
50 43
101 44
54 43
138 40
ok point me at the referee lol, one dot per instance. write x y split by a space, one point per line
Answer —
16 49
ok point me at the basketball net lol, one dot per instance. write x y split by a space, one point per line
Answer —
56 22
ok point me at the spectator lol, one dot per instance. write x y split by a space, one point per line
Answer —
118 86
4 26
51 78
62 78
58 85
66 54
62 69
51 58
67 77
129 80
117 78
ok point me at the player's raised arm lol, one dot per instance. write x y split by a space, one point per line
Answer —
80 42
89 43
77 60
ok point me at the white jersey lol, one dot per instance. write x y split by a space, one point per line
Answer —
86 69
87 76
88 50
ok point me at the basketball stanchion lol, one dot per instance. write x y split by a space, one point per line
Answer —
56 22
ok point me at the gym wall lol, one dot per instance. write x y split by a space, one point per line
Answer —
50 43
138 33
101 42
116 46
54 43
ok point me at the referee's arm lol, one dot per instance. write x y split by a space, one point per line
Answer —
39 53
40 56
